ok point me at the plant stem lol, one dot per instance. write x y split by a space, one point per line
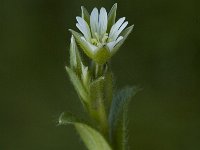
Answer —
97 110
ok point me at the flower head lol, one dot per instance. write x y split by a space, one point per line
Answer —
101 36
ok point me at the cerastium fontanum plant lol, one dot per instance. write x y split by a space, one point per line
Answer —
100 38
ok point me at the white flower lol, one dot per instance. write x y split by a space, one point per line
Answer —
101 36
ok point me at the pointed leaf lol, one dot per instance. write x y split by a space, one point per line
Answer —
85 76
80 89
117 117
67 118
112 17
90 136
75 59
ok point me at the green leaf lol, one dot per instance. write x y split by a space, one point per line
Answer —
112 16
85 14
80 89
75 59
85 76
124 34
90 136
118 117
67 118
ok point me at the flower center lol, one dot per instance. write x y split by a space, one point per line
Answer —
98 40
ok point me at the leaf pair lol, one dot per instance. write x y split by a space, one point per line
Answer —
92 138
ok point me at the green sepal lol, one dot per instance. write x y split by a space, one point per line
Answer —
124 34
112 17
102 55
85 14
118 117
92 138
82 43
80 89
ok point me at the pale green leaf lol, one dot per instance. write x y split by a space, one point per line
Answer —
118 117
67 118
75 59
80 89
92 139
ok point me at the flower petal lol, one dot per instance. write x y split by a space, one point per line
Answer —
112 44
120 30
103 21
115 28
118 39
94 17
124 34
83 27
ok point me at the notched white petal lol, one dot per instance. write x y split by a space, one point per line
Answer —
94 17
83 27
103 21
115 28
119 39
120 30
111 45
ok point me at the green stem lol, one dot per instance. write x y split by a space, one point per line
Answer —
98 114
98 70
97 108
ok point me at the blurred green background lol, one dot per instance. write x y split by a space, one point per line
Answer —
162 55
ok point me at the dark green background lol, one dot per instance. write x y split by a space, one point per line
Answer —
162 55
